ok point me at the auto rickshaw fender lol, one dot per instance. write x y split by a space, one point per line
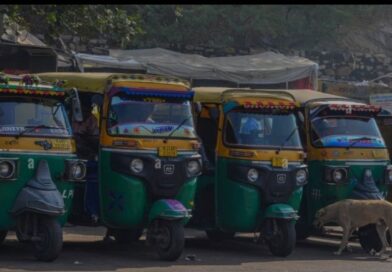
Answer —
168 209
40 195
282 211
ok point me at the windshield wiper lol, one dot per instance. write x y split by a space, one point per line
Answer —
31 128
356 140
287 139
180 125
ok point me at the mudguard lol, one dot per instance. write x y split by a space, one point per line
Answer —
40 195
282 211
169 209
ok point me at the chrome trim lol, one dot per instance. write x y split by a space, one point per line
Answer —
270 162
152 151
21 152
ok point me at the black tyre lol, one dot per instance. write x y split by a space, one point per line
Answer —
126 236
170 240
3 234
218 235
368 238
283 241
50 242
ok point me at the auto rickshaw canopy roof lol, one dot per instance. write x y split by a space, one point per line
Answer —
219 94
99 82
28 85
306 97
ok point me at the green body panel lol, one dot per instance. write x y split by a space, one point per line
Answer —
186 196
295 198
283 211
319 194
235 206
124 199
26 167
238 205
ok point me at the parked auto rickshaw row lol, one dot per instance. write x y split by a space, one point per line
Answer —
166 156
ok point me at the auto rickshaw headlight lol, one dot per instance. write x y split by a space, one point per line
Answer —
193 167
388 175
136 166
253 175
301 177
7 169
78 170
338 175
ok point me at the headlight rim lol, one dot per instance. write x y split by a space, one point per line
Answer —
68 173
343 173
388 177
328 174
255 171
132 168
83 168
12 174
198 169
304 170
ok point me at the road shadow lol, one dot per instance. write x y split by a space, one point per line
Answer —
102 256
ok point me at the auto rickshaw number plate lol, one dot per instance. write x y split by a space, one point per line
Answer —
280 162
167 151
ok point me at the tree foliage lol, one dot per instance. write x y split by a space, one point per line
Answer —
143 26
109 22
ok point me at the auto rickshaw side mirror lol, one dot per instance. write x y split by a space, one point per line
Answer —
76 105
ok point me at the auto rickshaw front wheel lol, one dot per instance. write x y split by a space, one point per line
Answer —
168 238
48 241
3 234
283 239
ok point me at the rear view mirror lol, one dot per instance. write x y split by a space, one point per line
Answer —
76 106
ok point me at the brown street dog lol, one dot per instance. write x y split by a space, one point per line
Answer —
352 214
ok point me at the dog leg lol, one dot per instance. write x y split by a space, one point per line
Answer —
347 231
381 231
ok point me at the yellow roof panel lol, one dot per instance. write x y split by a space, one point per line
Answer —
218 94
98 82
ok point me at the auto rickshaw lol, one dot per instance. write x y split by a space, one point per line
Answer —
346 156
148 156
38 164
254 171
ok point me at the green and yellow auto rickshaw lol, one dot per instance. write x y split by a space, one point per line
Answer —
148 155
346 156
254 174
38 164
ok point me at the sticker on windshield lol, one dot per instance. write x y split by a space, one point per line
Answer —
11 129
352 141
162 129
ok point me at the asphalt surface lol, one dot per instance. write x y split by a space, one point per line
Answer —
85 250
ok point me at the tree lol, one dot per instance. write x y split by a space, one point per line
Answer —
87 21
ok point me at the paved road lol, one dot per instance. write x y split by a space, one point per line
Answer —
84 250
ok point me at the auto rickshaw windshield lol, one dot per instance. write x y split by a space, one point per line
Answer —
150 117
345 131
33 116
258 129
